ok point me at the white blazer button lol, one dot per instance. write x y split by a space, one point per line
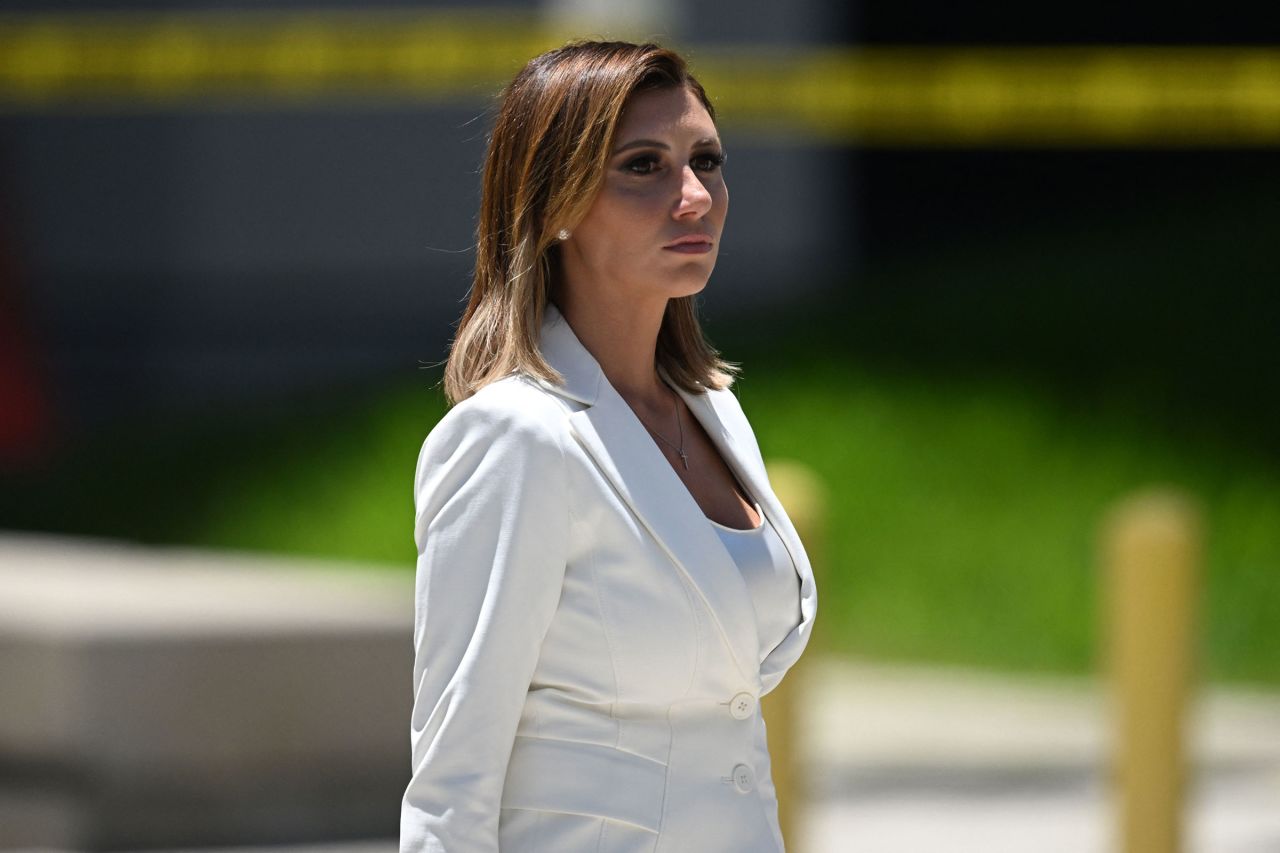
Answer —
744 778
742 706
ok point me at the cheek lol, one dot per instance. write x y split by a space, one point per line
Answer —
635 204
613 229
634 214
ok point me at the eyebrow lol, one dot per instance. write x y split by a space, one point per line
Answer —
653 143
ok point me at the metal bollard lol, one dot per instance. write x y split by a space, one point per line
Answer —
804 497
1151 551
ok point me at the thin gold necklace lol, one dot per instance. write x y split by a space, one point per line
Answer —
680 425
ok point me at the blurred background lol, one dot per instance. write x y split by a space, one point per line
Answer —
988 270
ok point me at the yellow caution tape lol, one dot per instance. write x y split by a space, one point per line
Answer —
879 96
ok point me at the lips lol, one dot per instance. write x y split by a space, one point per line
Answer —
691 244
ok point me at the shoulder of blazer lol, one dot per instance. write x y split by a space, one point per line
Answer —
514 403
503 415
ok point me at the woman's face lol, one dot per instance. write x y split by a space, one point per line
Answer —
654 228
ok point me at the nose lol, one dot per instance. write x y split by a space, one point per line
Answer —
694 201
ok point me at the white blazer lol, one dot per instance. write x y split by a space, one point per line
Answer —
587 668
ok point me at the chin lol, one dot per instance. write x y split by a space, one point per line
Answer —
688 284
693 275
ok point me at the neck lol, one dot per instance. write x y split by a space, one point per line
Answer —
623 339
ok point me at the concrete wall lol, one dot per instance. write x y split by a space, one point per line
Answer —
168 698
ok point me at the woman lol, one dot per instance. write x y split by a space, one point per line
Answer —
606 582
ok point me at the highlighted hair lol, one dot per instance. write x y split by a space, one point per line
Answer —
544 166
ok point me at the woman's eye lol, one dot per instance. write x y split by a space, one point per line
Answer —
642 165
649 163
708 162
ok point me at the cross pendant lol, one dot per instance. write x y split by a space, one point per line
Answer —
684 459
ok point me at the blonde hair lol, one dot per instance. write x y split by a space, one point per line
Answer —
544 165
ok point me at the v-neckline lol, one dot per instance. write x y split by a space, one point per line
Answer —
739 490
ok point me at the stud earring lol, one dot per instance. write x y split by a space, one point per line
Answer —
563 235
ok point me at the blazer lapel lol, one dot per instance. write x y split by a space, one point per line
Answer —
730 432
626 454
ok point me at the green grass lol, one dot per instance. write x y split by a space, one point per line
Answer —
346 492
962 526
964 519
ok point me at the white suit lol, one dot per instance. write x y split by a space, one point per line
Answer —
587 666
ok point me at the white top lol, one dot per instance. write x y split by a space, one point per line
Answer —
772 580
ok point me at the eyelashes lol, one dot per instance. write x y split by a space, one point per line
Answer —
715 160
647 164
641 165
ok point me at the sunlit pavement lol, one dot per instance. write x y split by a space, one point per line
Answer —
913 760
901 759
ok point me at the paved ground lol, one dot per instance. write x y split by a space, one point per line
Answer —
901 759
910 759
947 760
907 760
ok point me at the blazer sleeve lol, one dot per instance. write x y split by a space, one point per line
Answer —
491 526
